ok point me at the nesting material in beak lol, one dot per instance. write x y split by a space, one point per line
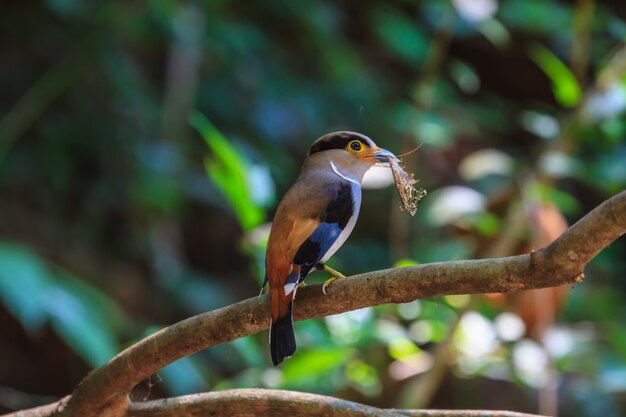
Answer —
405 184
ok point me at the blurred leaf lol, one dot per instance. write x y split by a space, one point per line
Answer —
597 304
485 162
82 316
400 263
438 309
464 76
314 333
433 130
608 172
606 102
458 301
563 200
347 328
70 318
64 7
438 330
250 377
428 331
400 348
565 87
198 293
249 350
449 205
495 32
389 330
158 193
24 282
228 170
543 125
616 335
313 363
261 185
613 378
487 224
446 251
364 377
401 34
103 311
536 16
410 310
184 376
558 164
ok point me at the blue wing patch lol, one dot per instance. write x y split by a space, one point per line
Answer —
315 247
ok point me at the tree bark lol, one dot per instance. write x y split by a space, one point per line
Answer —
270 403
104 392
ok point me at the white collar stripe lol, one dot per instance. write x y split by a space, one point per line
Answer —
345 177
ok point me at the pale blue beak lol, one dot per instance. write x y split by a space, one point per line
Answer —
382 155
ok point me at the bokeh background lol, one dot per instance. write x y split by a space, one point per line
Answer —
144 146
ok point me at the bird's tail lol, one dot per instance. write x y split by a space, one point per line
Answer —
282 338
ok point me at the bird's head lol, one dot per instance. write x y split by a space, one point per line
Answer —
349 154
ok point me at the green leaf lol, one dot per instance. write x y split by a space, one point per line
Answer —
365 377
249 350
563 200
401 34
536 16
70 319
438 330
400 263
565 87
487 224
616 336
402 347
37 293
313 363
228 170
185 376
24 282
85 318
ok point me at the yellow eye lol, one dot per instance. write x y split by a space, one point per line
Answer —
355 145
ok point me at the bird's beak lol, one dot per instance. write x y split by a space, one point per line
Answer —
382 155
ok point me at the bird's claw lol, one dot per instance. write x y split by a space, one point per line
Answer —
335 276
327 283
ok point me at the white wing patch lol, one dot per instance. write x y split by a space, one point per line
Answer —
289 287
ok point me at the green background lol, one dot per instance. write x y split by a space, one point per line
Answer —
144 146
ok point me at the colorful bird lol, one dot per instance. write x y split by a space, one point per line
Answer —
312 221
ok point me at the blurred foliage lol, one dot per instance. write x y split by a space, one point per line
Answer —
37 294
564 84
230 173
144 146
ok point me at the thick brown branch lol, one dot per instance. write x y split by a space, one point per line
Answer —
264 402
104 392
41 411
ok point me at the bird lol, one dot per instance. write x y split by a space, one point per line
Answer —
312 221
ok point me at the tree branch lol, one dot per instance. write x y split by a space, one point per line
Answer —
265 402
104 392
41 411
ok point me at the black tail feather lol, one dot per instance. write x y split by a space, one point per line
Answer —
282 338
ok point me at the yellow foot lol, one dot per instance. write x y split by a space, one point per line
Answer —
335 276
303 284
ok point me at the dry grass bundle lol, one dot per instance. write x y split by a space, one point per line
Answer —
405 183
